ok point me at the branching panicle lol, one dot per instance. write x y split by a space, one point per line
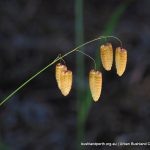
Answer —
67 79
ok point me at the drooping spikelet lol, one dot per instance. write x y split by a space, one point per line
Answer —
59 68
121 60
66 82
106 52
95 82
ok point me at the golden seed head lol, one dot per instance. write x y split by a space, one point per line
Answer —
95 82
66 82
59 68
106 52
121 60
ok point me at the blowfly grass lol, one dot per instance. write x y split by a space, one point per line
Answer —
66 82
64 77
59 68
95 82
121 60
106 53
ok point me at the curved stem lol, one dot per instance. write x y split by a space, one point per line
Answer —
115 38
50 64
89 57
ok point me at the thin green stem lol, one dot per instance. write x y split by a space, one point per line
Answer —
114 38
89 57
26 82
50 64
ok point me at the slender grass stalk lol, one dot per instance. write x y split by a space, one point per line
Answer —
50 64
79 38
80 66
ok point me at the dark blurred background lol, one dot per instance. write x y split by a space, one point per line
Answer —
32 34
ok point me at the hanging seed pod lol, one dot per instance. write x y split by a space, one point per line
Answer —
59 68
106 52
95 82
121 60
66 82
